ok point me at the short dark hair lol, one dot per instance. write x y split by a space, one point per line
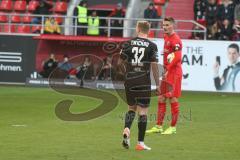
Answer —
151 4
82 2
169 19
235 46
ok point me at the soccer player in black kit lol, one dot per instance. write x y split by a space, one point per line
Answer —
138 56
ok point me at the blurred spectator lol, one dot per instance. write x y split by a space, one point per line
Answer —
107 70
236 31
212 31
42 9
199 9
226 11
117 13
93 24
85 71
51 26
151 13
225 30
220 17
211 19
48 66
237 11
81 12
197 35
65 65
211 12
236 2
96 71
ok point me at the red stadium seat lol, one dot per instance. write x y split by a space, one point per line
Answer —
58 19
219 2
20 6
27 18
6 5
8 29
23 29
36 29
202 22
159 10
60 7
15 18
3 18
159 2
32 5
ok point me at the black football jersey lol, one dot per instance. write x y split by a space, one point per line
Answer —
139 53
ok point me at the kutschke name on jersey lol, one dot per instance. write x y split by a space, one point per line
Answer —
140 43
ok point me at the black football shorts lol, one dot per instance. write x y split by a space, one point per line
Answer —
138 91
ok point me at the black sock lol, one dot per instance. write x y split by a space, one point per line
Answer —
129 117
142 125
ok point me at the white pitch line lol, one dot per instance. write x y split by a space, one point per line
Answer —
19 125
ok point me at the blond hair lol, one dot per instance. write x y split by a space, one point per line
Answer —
143 26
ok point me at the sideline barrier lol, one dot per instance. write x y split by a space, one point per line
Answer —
18 55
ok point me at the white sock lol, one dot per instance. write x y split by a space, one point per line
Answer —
141 143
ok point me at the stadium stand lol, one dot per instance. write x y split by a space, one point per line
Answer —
8 28
175 9
103 8
12 11
27 18
153 11
20 6
105 4
20 14
15 18
6 5
32 5
60 7
219 16
3 18
23 29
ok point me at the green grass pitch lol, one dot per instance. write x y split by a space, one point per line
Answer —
209 129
